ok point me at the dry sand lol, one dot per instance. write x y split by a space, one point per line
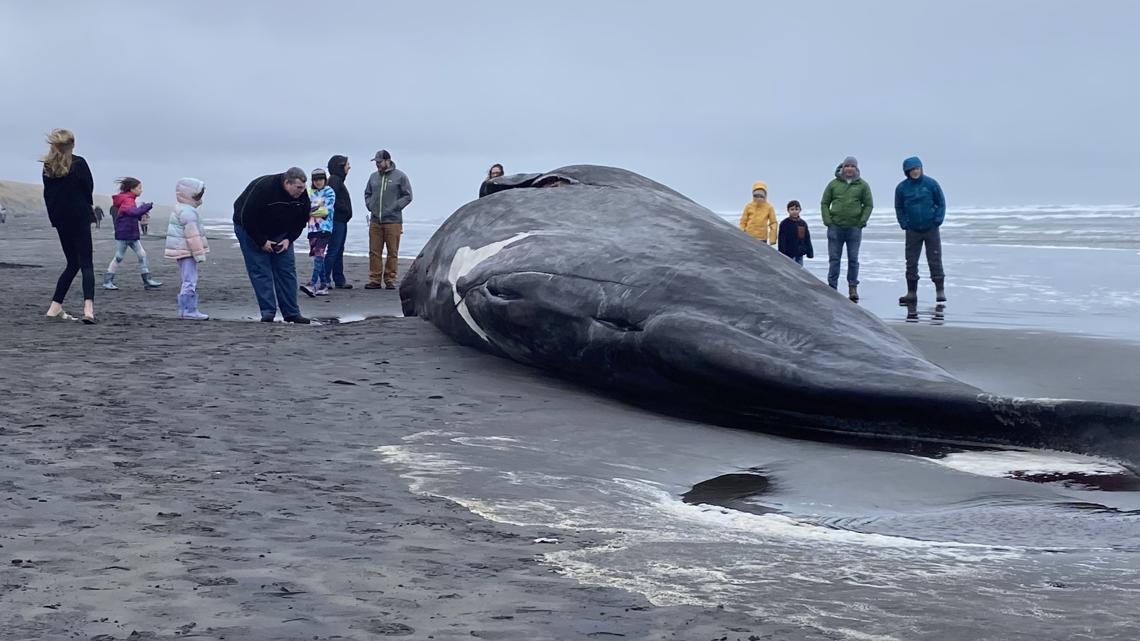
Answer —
165 479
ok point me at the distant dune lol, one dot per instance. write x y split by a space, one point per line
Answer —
28 199
23 199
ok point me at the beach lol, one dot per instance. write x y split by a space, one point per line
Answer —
366 477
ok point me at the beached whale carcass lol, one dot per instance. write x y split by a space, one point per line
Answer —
606 276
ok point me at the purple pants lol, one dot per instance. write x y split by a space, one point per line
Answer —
188 295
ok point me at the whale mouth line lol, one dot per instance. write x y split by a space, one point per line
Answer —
613 323
535 272
619 324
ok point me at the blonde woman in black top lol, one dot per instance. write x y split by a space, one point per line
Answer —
68 194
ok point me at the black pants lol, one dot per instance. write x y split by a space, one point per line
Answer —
914 242
76 244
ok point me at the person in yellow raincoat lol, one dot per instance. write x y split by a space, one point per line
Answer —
759 217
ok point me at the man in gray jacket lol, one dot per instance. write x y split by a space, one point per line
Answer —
388 192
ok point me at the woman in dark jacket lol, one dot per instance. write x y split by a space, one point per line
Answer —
68 194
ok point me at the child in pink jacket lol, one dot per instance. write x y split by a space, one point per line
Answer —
186 244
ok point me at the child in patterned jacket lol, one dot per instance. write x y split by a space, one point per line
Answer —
322 198
186 244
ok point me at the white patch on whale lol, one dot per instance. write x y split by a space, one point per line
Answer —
466 259
1009 463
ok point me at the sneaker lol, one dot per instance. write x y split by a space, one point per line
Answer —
308 289
323 291
194 316
298 320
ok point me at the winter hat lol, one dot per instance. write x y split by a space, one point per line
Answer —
188 191
850 160
382 155
914 162
760 184
319 174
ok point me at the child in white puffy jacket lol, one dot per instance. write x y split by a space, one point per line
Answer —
186 244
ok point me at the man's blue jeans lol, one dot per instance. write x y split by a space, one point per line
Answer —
273 276
334 259
837 237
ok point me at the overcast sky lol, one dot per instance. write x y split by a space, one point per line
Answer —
1011 102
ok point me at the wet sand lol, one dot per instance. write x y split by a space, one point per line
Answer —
163 479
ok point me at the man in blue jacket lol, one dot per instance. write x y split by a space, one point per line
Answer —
920 208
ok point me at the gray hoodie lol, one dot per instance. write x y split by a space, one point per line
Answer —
387 194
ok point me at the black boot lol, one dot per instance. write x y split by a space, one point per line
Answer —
853 293
939 289
911 296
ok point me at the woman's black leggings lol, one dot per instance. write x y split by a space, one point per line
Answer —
76 244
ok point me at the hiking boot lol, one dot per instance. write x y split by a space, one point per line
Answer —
390 286
299 320
853 293
109 281
373 286
150 283
940 290
911 296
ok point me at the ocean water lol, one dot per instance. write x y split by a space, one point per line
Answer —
847 543
1066 268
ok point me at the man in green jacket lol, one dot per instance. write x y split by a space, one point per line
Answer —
846 206
387 194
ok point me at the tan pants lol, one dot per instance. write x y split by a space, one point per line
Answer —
381 236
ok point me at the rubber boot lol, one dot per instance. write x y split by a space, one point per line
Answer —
853 293
911 296
188 307
150 283
109 281
940 290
